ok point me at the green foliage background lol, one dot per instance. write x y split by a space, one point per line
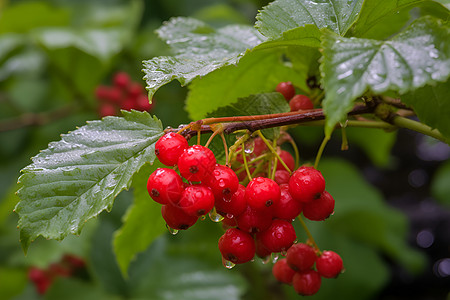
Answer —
54 53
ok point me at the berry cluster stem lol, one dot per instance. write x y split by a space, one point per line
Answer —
308 233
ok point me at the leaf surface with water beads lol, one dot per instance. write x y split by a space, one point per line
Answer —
75 179
417 56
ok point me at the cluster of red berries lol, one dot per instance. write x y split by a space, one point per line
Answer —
297 269
296 101
123 94
66 267
257 217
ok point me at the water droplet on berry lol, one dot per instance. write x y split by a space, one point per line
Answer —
227 264
249 147
275 257
171 230
230 216
222 183
214 216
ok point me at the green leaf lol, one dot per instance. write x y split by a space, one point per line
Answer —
307 35
381 19
199 49
78 177
432 105
361 213
440 186
260 104
142 223
283 15
256 72
418 56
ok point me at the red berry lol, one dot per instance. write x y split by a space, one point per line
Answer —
115 95
261 251
135 89
319 209
229 221
329 264
287 89
56 269
233 205
169 148
128 104
102 92
176 218
282 177
107 109
287 208
40 278
196 200
282 272
262 192
196 163
301 257
165 185
142 103
306 184
288 159
121 79
306 283
223 182
300 102
278 237
253 221
73 261
237 246
259 146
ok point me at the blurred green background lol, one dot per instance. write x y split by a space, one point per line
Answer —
392 218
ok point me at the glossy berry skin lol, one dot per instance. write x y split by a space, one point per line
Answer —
169 147
232 205
228 221
319 209
142 103
287 208
253 221
306 283
165 185
196 200
196 163
306 184
261 251
237 246
288 159
300 102
223 182
282 272
329 264
301 257
278 237
282 177
262 193
287 89
176 218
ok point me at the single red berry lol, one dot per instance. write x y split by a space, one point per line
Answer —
306 184
253 221
329 264
301 257
115 95
288 159
229 221
237 246
319 209
232 205
121 79
176 218
306 283
282 272
196 200
259 146
41 279
107 109
169 148
287 89
135 89
165 185
282 177
278 237
300 102
102 92
196 163
142 103
287 208
262 193
223 182
261 251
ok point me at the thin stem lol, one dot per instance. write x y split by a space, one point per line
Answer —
308 233
296 153
211 138
245 162
320 151
198 137
225 146
273 151
344 145
419 127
